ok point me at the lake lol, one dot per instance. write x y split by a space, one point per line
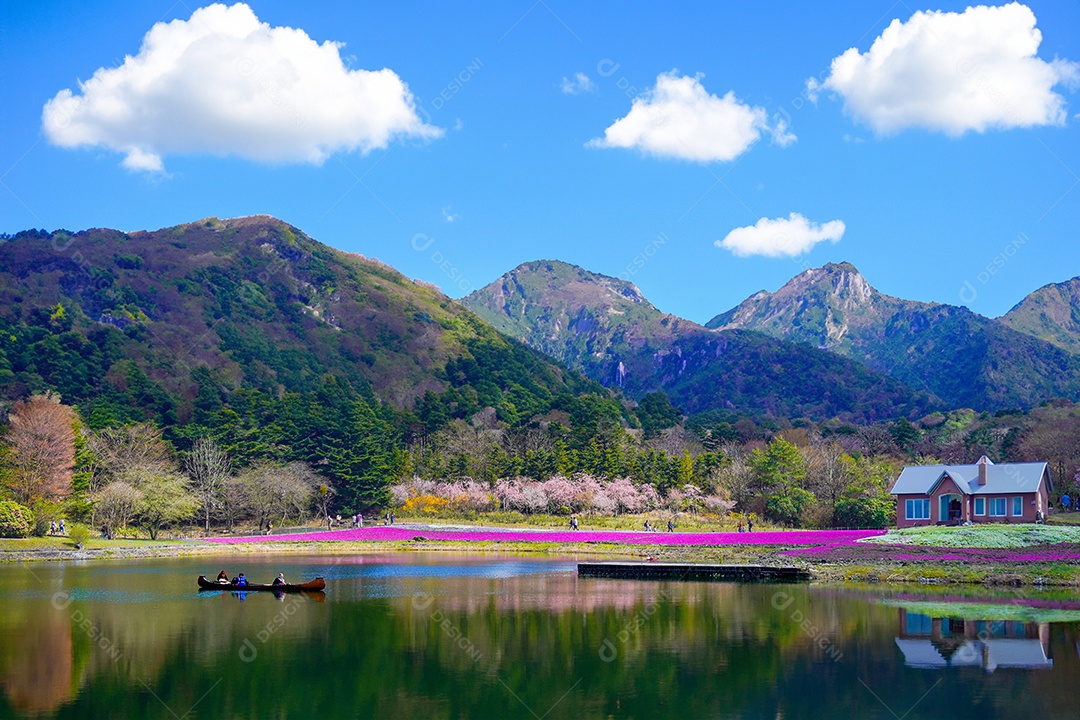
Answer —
482 636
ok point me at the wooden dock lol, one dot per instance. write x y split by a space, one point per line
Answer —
692 571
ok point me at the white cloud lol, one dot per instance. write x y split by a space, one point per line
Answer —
580 84
224 83
679 119
953 72
790 236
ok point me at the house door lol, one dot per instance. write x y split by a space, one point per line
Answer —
950 509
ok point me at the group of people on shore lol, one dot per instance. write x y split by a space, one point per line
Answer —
649 527
57 528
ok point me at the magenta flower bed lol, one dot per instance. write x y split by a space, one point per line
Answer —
868 552
795 537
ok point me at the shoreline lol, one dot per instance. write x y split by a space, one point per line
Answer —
992 575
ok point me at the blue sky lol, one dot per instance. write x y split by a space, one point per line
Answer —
678 146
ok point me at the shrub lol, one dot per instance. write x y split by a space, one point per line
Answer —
428 504
45 513
865 512
79 535
16 521
787 508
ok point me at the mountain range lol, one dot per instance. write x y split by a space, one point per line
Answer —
606 328
963 358
169 323
940 353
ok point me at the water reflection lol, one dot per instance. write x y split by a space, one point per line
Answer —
410 636
936 643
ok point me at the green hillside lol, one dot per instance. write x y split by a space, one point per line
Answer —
1051 313
175 324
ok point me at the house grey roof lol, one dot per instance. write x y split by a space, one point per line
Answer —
1000 478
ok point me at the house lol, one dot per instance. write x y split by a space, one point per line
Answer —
983 492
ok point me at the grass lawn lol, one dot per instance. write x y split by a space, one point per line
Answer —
987 611
52 542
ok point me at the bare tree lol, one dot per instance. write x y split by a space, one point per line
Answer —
166 499
41 445
275 491
1055 438
736 476
115 505
828 473
235 500
473 442
120 450
208 467
324 495
875 440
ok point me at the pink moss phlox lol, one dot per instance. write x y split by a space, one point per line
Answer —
1060 552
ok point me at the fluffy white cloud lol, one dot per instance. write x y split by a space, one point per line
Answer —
680 119
953 72
790 236
581 83
225 83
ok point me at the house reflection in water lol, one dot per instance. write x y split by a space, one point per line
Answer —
934 643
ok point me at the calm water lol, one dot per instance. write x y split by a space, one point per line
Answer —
479 637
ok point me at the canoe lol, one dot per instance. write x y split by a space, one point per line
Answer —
316 584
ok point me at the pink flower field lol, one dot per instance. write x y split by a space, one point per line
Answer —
383 533
874 553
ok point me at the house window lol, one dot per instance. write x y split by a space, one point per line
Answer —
980 506
1018 506
997 507
917 509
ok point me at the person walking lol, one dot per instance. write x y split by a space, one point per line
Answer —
671 526
750 525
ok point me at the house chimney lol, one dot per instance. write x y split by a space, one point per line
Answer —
983 463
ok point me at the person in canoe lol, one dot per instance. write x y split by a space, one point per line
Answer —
223 578
280 579
240 580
